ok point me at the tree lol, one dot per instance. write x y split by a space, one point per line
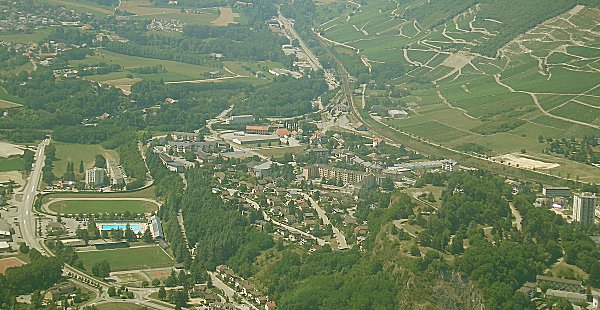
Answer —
101 269
387 184
129 234
147 236
162 293
116 234
112 291
81 167
23 248
430 197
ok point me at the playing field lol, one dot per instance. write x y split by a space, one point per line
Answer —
75 153
11 164
103 206
9 262
128 259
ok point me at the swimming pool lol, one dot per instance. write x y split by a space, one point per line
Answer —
136 228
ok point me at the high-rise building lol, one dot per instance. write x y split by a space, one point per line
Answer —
94 177
584 207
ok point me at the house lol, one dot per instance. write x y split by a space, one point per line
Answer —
4 230
377 141
263 169
176 166
59 291
360 127
270 305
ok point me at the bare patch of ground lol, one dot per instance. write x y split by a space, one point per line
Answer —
12 175
8 149
226 17
124 84
518 160
458 60
8 262
8 105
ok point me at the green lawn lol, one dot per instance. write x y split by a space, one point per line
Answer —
103 206
128 259
75 153
11 164
280 151
35 36
119 306
145 193
176 71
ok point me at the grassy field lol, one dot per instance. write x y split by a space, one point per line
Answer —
11 164
176 71
84 6
75 153
103 206
128 259
35 36
119 306
280 151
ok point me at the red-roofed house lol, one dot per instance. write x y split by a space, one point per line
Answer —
260 130
270 305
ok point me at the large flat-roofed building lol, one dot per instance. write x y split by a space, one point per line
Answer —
398 114
259 130
241 119
94 177
560 284
333 173
550 192
255 139
584 208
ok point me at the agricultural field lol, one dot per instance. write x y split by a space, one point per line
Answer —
35 36
75 153
545 81
11 164
84 6
96 206
176 71
128 259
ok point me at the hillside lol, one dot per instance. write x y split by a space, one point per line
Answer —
478 71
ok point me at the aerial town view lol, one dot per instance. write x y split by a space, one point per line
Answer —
307 154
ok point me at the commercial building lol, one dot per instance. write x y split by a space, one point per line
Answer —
259 130
584 208
94 177
551 192
241 119
255 139
398 114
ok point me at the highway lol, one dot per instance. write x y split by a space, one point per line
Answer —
312 59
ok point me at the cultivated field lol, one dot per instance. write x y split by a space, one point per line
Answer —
11 164
128 259
176 71
226 17
75 153
502 103
95 206
35 36
8 149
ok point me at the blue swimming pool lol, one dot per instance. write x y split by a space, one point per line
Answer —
136 228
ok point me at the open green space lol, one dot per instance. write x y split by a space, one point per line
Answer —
83 6
176 71
75 153
119 306
35 36
128 259
11 164
103 206
280 151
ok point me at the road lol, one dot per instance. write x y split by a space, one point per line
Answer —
289 27
339 236
230 293
517 215
26 214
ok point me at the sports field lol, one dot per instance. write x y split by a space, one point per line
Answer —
9 262
102 206
75 153
128 259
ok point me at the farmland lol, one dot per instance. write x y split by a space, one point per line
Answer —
542 82
96 206
11 164
76 153
128 259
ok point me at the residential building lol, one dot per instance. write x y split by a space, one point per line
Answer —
116 175
4 230
320 152
398 114
186 136
333 173
94 177
560 284
570 296
259 130
584 208
176 166
551 192
241 119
